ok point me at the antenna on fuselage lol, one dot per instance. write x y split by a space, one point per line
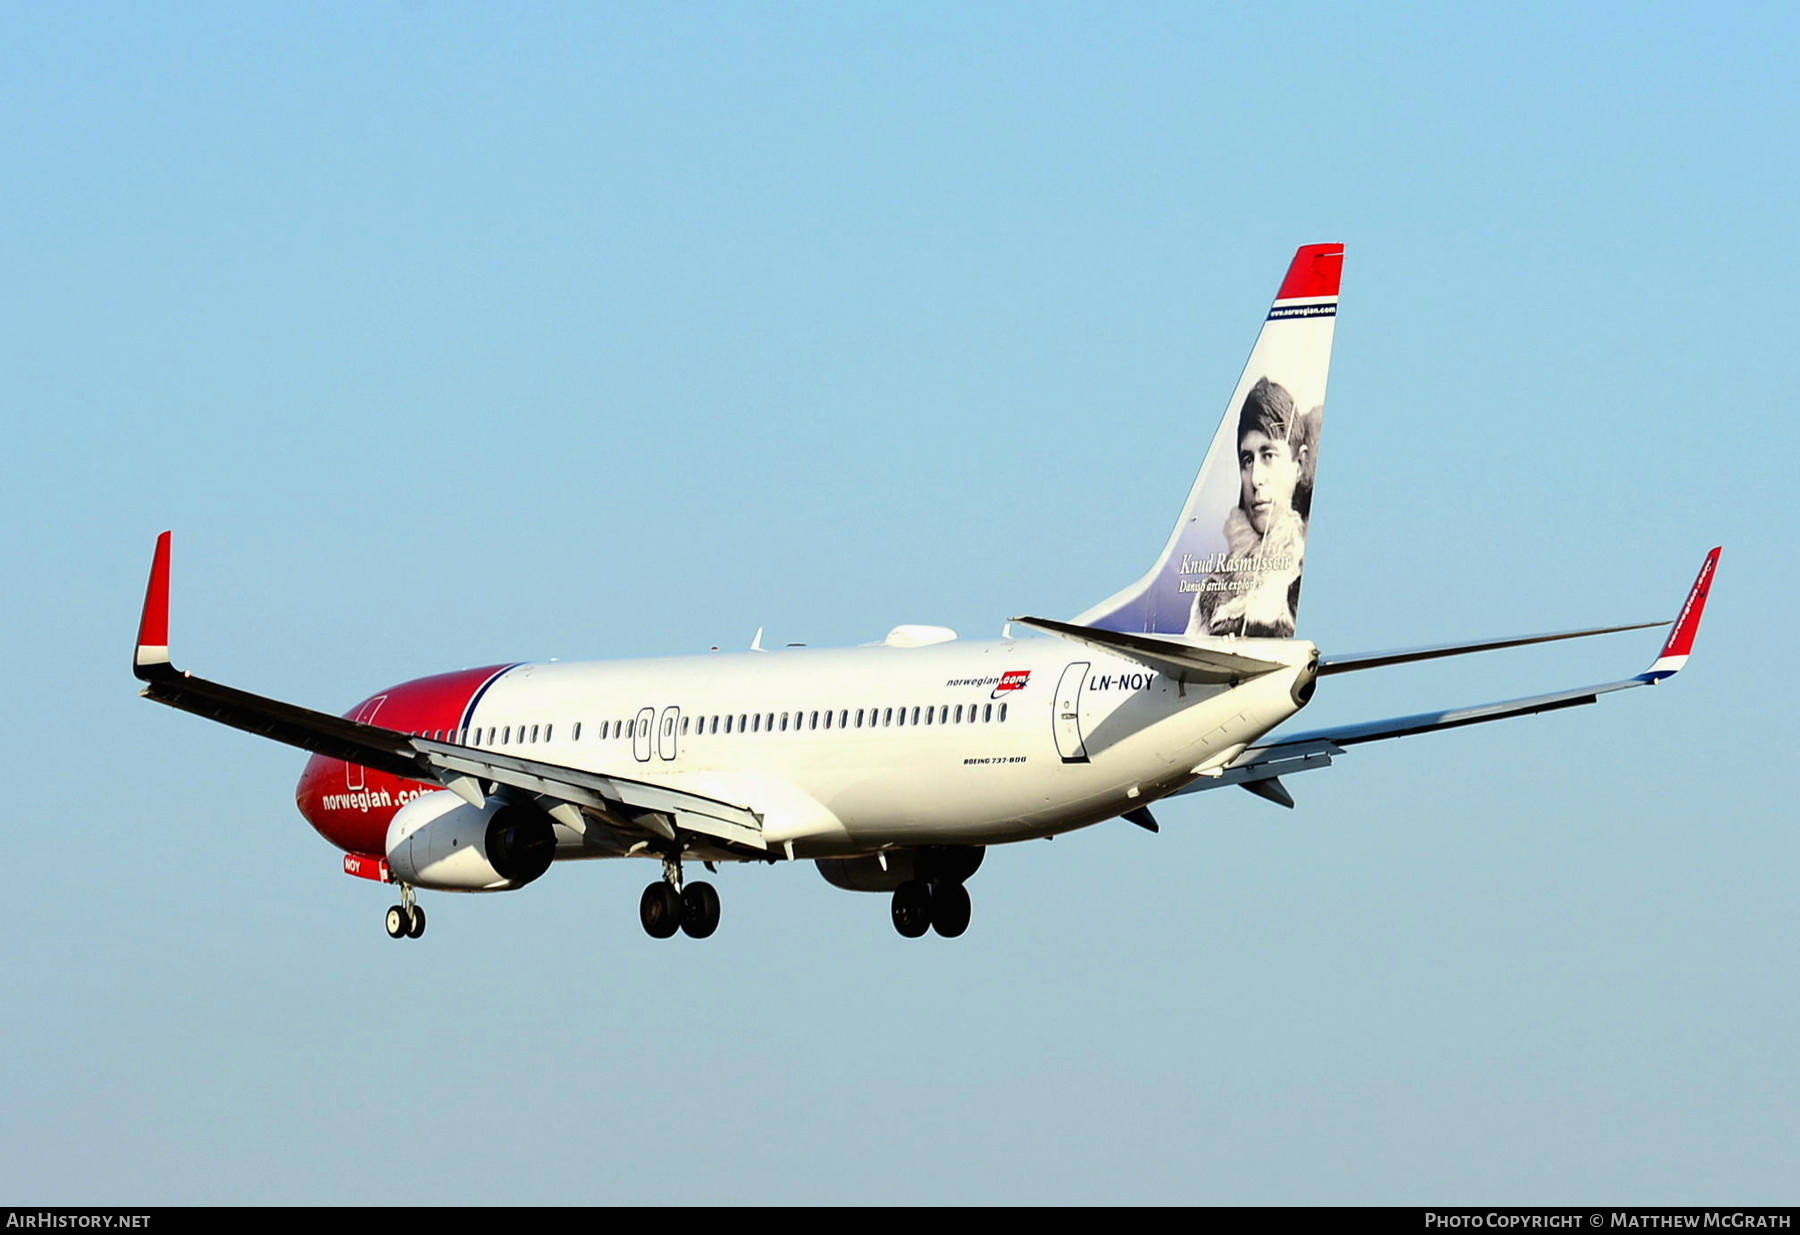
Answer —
756 643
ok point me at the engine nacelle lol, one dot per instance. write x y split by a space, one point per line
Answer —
440 841
884 873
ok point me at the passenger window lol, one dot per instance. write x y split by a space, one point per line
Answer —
987 712
887 717
1003 712
915 716
575 733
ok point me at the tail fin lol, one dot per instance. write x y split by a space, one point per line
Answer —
1233 563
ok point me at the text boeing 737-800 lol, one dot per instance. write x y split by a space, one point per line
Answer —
894 766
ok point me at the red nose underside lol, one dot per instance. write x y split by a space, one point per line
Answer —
351 806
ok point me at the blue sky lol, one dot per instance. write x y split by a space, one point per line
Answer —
444 335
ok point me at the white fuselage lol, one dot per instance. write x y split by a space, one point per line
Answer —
855 750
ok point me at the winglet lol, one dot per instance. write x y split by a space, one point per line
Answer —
152 659
1681 640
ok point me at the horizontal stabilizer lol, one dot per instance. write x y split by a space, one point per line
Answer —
1171 656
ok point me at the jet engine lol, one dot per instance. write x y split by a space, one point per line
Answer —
887 871
440 841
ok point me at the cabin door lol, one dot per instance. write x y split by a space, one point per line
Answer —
1066 719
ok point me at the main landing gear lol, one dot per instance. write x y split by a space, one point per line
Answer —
405 920
667 906
942 906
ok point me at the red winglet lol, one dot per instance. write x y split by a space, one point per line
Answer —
1681 639
1316 271
153 628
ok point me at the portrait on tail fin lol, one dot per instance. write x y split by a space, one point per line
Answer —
1232 563
1255 589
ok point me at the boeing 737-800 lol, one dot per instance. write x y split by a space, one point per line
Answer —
894 766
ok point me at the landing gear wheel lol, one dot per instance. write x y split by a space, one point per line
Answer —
949 909
912 909
659 909
699 910
396 922
417 927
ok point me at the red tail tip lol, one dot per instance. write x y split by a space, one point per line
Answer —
1316 271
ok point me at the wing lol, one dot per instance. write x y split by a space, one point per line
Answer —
1405 656
630 807
1260 768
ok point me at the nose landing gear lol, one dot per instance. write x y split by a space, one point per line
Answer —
405 920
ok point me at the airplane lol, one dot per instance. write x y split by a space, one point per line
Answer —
894 766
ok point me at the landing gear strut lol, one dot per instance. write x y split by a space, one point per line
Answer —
669 906
405 920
